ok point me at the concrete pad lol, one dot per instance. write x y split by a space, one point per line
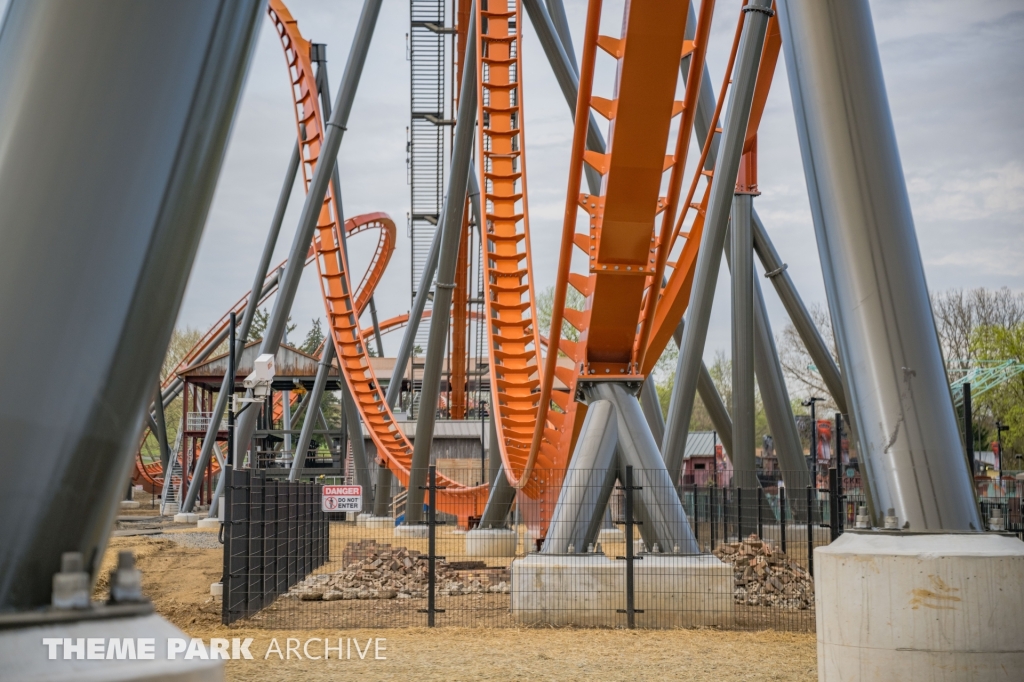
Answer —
129 504
217 590
416 531
899 606
208 523
25 657
589 590
491 542
183 517
361 519
378 522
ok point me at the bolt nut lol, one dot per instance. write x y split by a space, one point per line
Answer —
126 580
71 585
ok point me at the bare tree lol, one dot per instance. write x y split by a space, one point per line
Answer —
803 378
959 314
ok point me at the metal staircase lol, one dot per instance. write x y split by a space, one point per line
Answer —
427 132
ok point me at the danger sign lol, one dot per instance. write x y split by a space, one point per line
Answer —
342 498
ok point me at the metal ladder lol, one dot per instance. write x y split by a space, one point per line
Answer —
172 479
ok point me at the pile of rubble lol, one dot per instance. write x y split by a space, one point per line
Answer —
765 576
383 572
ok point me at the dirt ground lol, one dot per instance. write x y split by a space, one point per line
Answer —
178 579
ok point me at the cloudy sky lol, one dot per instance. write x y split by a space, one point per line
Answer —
953 72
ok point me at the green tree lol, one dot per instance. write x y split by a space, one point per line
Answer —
1004 403
546 303
313 339
259 326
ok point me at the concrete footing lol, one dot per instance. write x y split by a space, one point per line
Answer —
25 656
378 522
491 542
361 519
589 590
208 523
129 504
414 531
898 606
185 517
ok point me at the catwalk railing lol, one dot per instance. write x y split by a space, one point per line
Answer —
627 562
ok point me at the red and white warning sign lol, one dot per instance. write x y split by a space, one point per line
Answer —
342 498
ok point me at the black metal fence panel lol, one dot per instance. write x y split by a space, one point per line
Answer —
582 548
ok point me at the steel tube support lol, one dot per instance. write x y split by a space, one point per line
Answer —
651 406
710 396
335 130
227 386
713 238
742 258
563 64
451 228
123 116
382 495
657 505
161 432
499 502
900 404
493 451
588 483
776 271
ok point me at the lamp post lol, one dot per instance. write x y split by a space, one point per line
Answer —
810 402
1000 427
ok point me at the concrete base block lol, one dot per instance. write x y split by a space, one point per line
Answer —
208 523
170 509
491 542
416 531
898 606
589 590
217 590
361 519
25 657
378 522
129 504
184 517
611 535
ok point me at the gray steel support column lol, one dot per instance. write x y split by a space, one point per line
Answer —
499 502
334 131
713 238
494 462
114 126
564 67
382 495
651 406
227 386
776 272
900 403
451 225
743 410
657 505
556 10
359 459
710 396
161 431
588 483
316 394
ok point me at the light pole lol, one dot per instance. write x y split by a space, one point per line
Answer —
810 402
1000 427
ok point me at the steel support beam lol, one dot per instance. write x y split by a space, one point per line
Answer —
651 406
563 64
227 386
499 501
776 271
588 483
311 208
382 495
658 509
900 403
743 409
114 126
713 238
451 232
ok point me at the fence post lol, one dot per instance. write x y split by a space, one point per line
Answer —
782 518
810 532
833 503
225 530
431 545
712 517
630 609
760 515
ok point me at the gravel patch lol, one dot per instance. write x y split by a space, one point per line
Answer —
193 540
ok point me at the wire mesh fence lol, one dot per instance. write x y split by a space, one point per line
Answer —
589 548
